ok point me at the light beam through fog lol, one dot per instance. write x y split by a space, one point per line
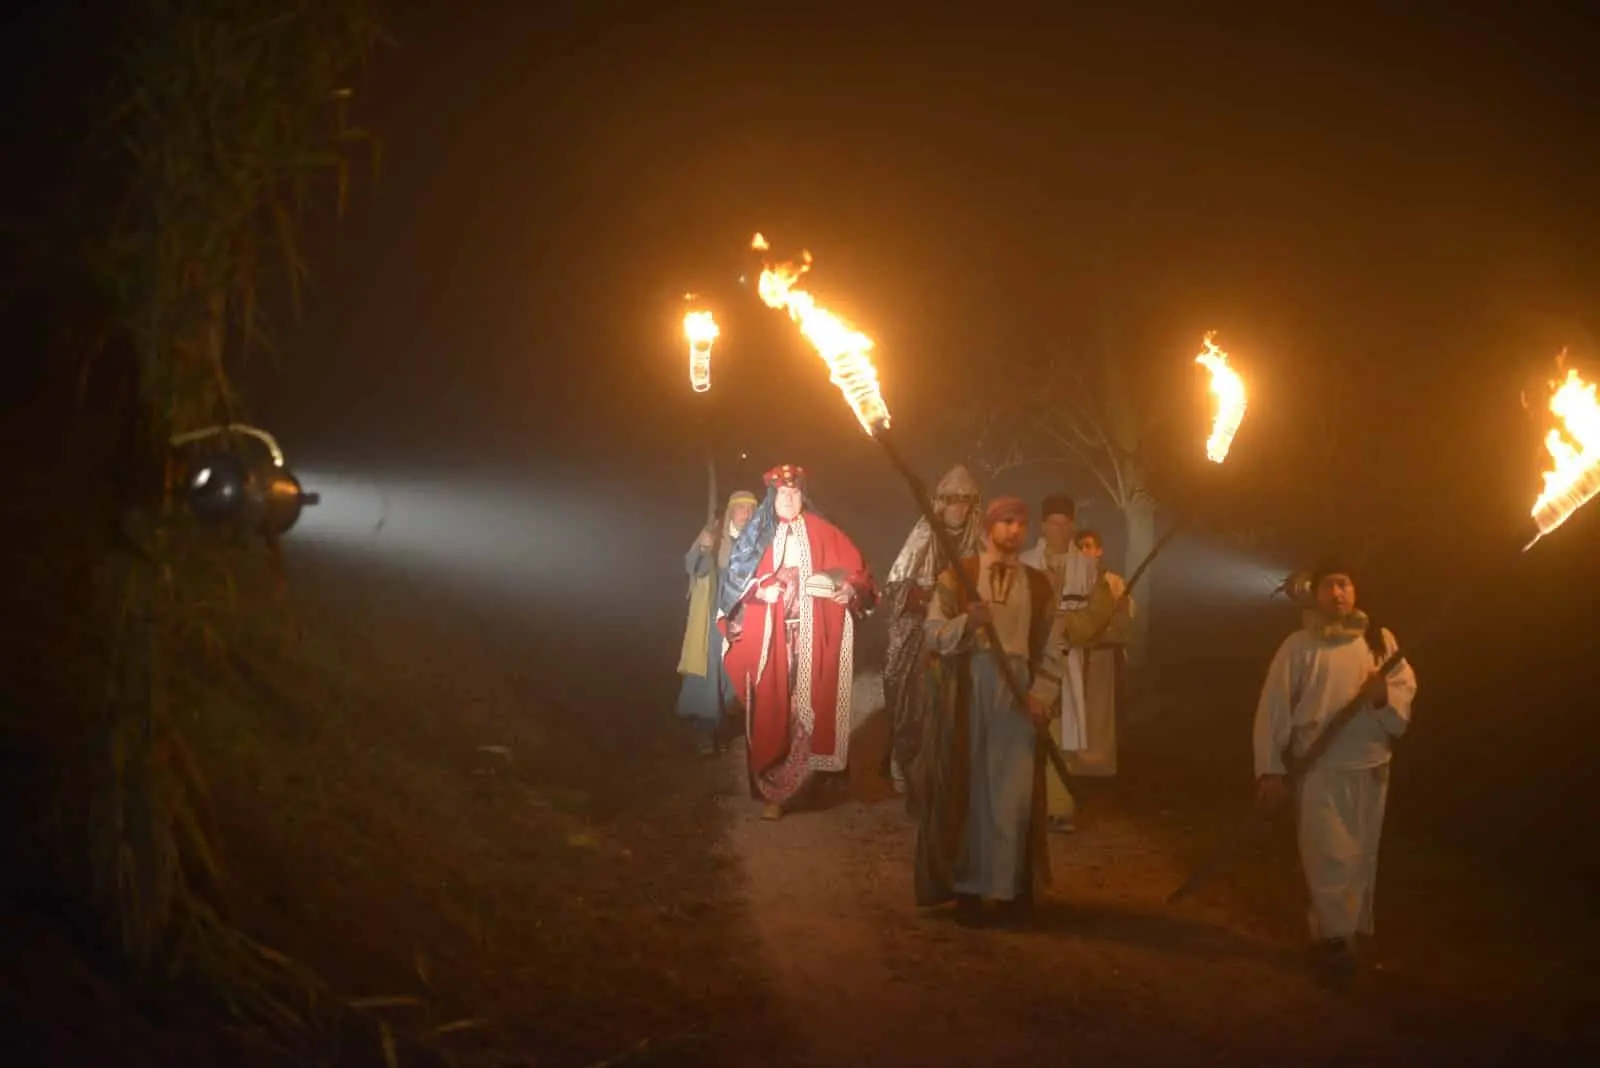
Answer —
575 548
1222 575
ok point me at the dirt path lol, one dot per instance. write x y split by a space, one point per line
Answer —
603 897
1111 975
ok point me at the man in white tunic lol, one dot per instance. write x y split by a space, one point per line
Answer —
1072 577
1330 661
1103 664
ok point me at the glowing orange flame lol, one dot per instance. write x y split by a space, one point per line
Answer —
842 347
1574 447
701 330
1228 388
759 243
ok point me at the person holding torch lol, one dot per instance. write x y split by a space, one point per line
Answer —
706 692
1333 658
981 828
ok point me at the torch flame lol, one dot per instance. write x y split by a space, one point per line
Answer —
1574 447
842 347
700 327
1228 388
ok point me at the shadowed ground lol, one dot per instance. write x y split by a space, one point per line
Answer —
490 808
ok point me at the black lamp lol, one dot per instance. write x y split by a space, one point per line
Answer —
1297 588
224 486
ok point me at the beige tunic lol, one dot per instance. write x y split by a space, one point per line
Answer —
1342 799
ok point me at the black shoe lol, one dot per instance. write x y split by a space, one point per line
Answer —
1016 914
969 910
1337 955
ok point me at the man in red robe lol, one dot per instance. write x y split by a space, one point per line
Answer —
794 587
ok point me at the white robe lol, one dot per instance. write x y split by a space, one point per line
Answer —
1098 757
1341 799
1077 583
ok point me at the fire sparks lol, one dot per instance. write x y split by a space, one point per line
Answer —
1228 388
701 330
1574 447
842 347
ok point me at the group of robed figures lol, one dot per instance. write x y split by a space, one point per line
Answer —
777 593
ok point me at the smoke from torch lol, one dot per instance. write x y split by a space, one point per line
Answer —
1574 447
701 330
842 347
1228 388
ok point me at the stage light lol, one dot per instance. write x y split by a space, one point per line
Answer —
226 486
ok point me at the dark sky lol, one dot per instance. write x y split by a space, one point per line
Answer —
1400 202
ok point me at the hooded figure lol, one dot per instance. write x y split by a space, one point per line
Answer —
706 694
793 589
905 600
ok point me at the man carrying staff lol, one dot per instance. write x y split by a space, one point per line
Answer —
706 694
906 594
981 829
1319 669
790 597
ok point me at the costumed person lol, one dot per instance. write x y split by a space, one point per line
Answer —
906 593
794 587
706 694
1103 664
1330 661
981 827
1072 576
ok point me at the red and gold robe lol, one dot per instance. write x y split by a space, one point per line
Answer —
799 718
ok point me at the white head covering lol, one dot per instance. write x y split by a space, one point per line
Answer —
919 557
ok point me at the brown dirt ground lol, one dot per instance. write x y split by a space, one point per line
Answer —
430 812
1112 974
657 916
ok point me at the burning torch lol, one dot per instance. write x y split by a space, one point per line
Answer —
845 350
700 330
1232 400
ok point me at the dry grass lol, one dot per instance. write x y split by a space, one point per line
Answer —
417 824
394 814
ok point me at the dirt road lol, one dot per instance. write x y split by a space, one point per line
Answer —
1111 976
457 807
695 933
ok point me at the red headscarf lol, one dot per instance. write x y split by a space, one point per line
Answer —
1002 508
